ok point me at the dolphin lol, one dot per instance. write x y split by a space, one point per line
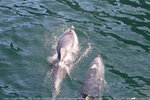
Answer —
67 47
93 81
67 44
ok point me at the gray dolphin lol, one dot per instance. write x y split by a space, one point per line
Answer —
67 46
68 43
93 81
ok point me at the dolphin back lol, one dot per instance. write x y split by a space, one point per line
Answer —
94 79
66 42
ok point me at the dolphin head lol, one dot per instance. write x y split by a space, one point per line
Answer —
98 62
70 30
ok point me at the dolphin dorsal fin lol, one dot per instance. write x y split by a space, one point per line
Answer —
63 53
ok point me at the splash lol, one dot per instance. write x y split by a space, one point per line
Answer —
85 53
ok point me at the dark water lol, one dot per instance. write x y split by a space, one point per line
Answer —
117 29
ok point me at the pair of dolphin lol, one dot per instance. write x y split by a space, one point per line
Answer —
94 79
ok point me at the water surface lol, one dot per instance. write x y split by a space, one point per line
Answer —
117 29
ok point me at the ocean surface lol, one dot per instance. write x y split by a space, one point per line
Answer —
119 30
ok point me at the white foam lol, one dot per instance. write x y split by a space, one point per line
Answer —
94 66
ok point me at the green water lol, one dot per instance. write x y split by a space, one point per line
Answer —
117 29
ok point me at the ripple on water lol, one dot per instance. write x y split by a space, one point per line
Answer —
117 29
